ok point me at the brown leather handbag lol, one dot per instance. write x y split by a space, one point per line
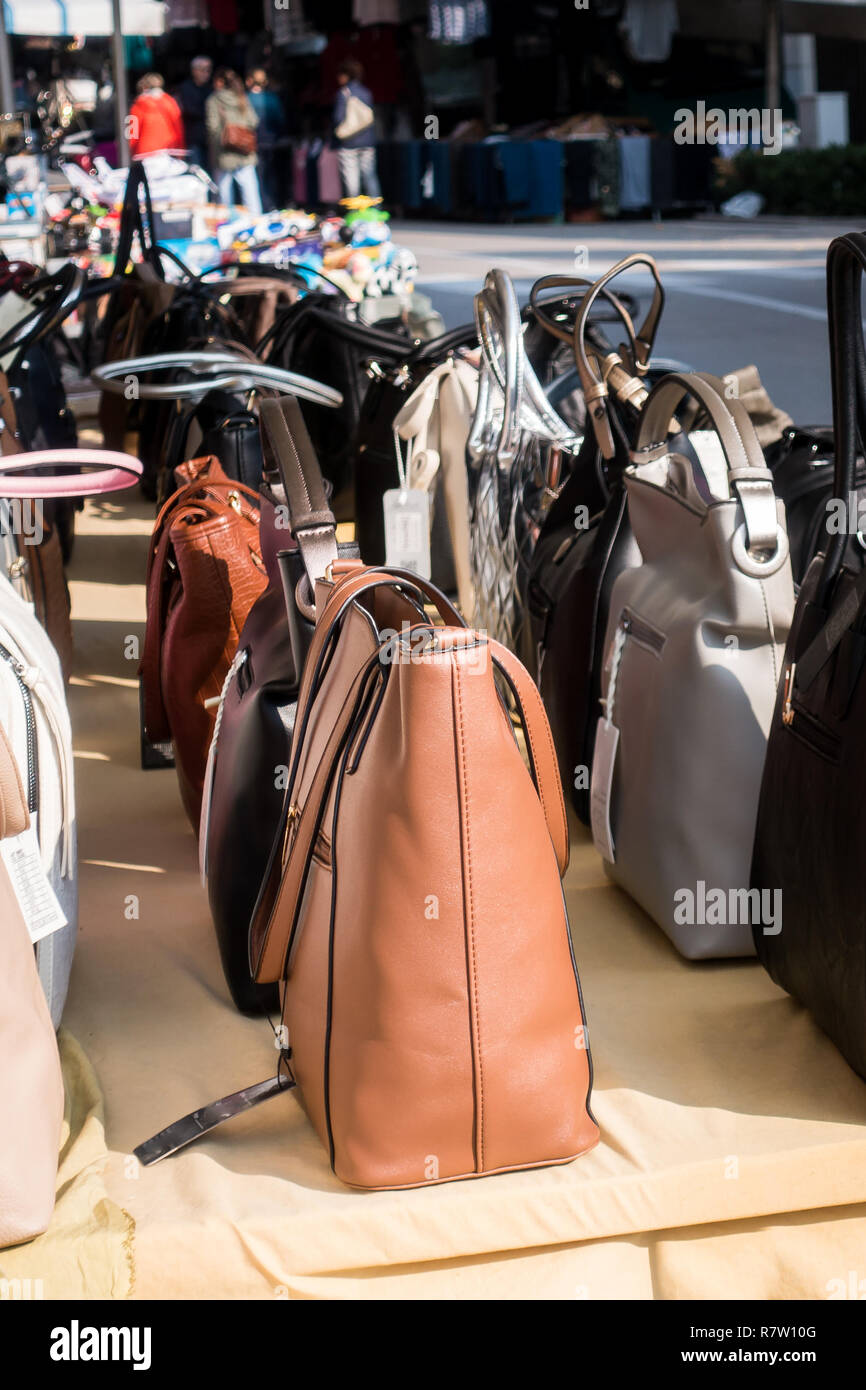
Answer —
432 1017
239 139
204 573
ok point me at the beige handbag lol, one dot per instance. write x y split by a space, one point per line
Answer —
31 1087
358 116
434 423
694 649
432 1019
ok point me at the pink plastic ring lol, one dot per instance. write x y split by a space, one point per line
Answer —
117 471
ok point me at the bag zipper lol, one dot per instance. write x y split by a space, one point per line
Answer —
642 632
17 668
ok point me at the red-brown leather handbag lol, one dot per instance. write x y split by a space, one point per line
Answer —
204 573
413 909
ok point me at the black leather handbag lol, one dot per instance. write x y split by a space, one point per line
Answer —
585 539
375 468
802 468
251 745
322 337
218 423
812 811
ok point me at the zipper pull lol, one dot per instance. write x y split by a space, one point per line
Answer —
787 708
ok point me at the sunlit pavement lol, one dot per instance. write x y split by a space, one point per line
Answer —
737 292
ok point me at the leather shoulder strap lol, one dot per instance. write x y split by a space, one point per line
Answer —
539 746
288 450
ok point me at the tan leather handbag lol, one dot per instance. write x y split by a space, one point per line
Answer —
31 1087
204 573
413 908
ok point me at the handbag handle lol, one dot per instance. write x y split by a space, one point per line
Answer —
347 589
762 547
212 369
65 289
131 220
116 471
268 950
637 355
500 331
288 449
496 304
541 308
846 261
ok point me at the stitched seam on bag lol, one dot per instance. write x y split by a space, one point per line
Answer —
535 760
288 434
469 916
772 636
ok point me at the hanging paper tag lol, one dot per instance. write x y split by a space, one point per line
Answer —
40 909
603 759
407 530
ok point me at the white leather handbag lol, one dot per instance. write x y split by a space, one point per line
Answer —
434 424
33 708
33 712
31 1088
693 655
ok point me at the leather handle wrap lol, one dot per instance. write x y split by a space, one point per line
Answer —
288 449
641 340
747 468
846 261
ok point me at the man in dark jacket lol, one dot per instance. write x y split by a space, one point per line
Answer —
356 150
191 96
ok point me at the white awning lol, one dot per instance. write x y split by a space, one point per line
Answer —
93 18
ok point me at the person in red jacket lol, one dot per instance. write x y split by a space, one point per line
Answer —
155 122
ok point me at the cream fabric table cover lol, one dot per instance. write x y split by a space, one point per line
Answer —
733 1153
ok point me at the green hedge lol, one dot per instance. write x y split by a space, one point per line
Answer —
828 183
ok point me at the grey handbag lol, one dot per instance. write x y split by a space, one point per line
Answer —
515 438
693 654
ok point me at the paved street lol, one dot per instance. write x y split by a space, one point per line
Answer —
736 292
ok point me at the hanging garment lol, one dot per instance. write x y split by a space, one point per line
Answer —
635 184
648 27
186 14
299 175
330 189
375 12
459 21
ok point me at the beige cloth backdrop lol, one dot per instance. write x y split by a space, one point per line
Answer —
733 1153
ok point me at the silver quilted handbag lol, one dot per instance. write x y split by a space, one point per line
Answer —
515 440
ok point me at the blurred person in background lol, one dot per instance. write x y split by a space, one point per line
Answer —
192 96
272 127
231 126
355 132
155 122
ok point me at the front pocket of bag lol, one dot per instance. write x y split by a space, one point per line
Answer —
813 734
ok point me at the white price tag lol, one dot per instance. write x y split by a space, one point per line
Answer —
407 530
39 907
603 759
